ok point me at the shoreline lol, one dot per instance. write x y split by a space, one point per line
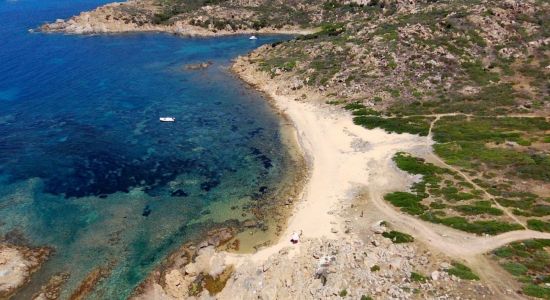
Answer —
101 21
353 162
337 175
317 214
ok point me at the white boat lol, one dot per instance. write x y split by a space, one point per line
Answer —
253 38
167 119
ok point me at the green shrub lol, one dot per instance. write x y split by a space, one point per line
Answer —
515 269
354 106
523 204
438 205
365 112
538 225
416 277
503 252
331 5
387 31
415 165
478 73
536 291
461 271
413 125
343 293
478 227
375 268
478 210
409 203
398 237
331 29
335 102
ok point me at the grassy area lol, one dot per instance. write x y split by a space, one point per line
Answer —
445 188
479 208
477 142
479 74
487 129
461 271
408 202
538 225
413 125
490 227
529 263
492 99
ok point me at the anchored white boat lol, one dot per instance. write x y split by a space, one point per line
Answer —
253 38
167 119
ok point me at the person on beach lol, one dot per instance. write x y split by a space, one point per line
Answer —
295 237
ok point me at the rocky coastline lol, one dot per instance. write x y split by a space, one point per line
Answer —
345 249
17 264
139 16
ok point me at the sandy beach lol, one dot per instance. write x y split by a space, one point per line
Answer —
338 168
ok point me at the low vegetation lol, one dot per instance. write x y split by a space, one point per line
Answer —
398 237
436 196
461 271
413 125
417 277
529 262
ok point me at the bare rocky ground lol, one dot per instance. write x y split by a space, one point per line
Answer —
362 263
349 267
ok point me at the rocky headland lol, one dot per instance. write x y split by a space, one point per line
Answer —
223 18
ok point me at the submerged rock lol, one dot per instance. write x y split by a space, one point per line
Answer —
146 211
199 66
179 193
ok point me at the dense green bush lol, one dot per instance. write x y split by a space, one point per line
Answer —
409 203
538 225
478 227
413 125
398 237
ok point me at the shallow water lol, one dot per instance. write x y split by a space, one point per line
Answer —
87 168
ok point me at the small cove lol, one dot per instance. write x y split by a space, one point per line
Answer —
87 168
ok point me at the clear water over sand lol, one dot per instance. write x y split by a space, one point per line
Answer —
87 168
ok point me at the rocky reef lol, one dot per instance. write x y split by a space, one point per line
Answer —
17 264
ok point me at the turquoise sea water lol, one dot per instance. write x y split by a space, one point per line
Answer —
87 168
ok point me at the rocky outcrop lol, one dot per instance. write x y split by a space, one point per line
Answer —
327 269
17 264
189 270
148 16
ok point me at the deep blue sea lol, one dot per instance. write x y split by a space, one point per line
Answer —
87 168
